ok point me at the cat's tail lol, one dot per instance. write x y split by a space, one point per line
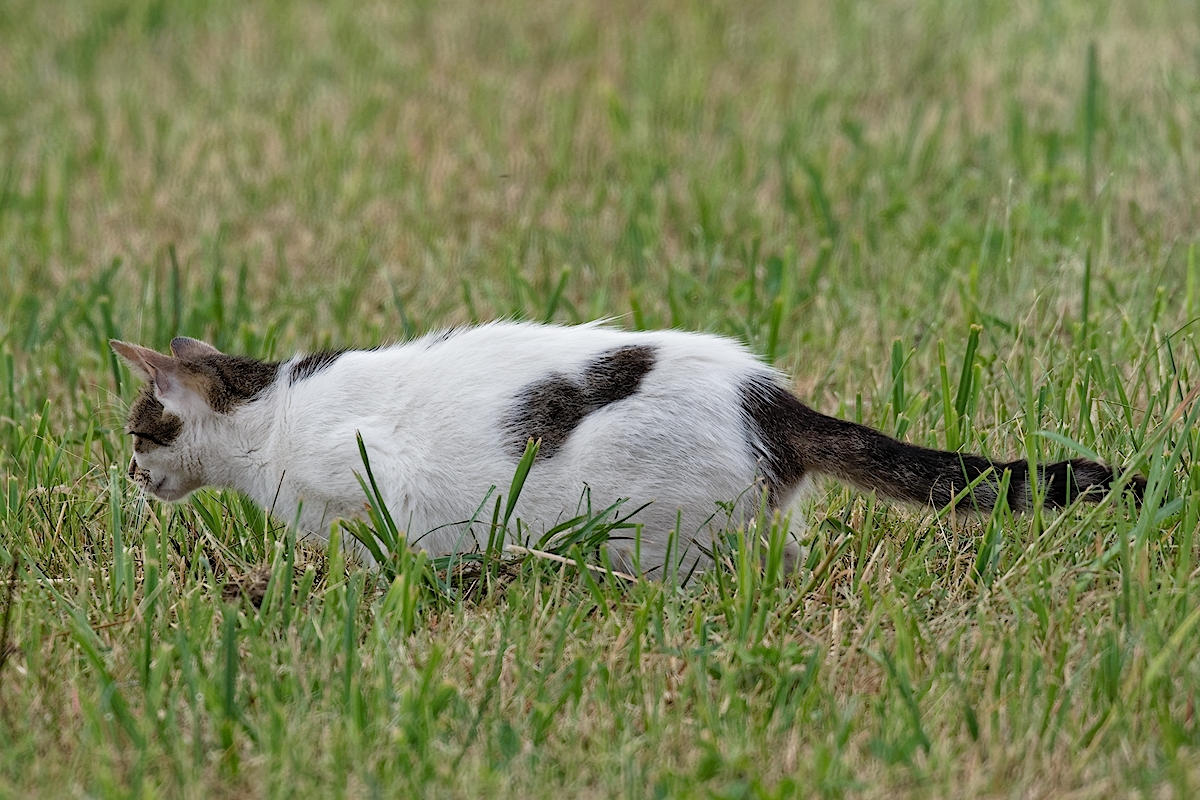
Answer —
795 440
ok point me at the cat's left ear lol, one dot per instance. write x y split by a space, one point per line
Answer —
181 391
140 359
184 347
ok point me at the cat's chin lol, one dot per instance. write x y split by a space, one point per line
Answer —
168 494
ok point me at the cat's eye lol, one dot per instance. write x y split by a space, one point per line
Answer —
139 435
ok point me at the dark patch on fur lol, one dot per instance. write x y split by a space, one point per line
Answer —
150 424
776 419
312 364
552 408
549 410
233 379
615 375
789 439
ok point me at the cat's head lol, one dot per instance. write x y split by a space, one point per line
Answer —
184 412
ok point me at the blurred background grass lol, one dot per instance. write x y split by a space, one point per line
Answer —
358 171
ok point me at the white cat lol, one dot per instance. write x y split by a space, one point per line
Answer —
691 424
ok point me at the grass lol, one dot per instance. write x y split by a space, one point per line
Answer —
974 225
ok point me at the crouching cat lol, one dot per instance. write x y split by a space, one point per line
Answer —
691 424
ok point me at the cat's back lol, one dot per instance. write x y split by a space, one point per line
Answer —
504 357
485 390
527 348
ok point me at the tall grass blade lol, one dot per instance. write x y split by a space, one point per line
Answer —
518 480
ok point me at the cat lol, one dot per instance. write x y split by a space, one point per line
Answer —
691 424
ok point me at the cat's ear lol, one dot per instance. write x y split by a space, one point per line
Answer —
183 347
181 391
140 359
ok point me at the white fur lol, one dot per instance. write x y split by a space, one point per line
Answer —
432 412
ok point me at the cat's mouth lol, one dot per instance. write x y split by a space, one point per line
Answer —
144 481
139 476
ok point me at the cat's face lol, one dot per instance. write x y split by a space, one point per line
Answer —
159 465
185 416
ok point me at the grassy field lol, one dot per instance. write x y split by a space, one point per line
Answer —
976 225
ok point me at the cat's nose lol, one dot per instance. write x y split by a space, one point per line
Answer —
132 468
